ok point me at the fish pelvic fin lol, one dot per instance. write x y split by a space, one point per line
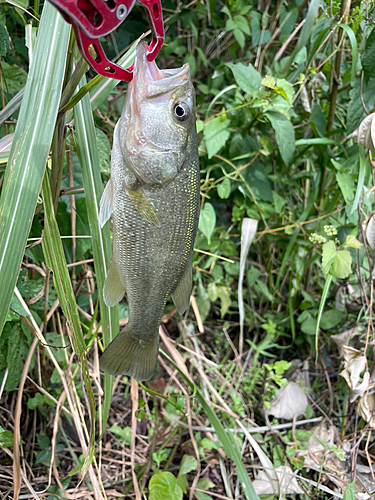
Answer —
143 205
182 292
106 204
132 356
113 290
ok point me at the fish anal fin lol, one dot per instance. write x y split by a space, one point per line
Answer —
113 290
106 204
132 356
143 205
182 292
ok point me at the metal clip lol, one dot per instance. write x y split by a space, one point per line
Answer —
92 19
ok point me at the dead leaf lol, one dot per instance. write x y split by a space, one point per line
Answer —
287 483
365 408
341 338
365 133
289 401
355 364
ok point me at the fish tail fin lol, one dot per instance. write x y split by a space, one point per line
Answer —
128 355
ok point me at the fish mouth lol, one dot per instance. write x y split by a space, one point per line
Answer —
154 82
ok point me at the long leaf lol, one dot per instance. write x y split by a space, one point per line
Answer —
87 150
30 148
55 260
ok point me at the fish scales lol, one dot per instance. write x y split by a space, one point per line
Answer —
154 197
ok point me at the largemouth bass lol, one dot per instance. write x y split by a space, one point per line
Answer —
153 194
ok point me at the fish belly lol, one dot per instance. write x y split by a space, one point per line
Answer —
151 258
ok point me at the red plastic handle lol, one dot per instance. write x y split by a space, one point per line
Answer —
94 18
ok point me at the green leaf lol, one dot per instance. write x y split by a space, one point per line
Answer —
317 121
285 136
368 57
210 444
182 483
163 486
213 291
287 19
351 241
202 496
346 183
252 275
242 24
331 318
205 484
309 326
263 290
286 89
240 37
317 142
43 441
255 176
361 178
104 150
279 202
14 77
30 147
342 265
37 400
356 113
329 256
4 40
349 493
268 82
225 300
247 77
207 221
216 134
6 438
124 433
224 189
188 464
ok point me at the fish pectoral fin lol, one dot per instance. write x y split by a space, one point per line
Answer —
143 205
182 292
106 204
129 355
113 290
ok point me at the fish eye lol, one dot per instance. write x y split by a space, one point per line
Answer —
181 111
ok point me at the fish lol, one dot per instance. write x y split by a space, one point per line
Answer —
153 195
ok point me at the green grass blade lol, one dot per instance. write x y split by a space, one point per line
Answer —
12 106
87 151
361 178
55 260
323 299
353 42
305 32
30 148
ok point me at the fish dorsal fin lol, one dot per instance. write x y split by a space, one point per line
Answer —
182 292
113 290
106 204
143 205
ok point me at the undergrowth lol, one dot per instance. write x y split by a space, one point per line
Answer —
285 400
